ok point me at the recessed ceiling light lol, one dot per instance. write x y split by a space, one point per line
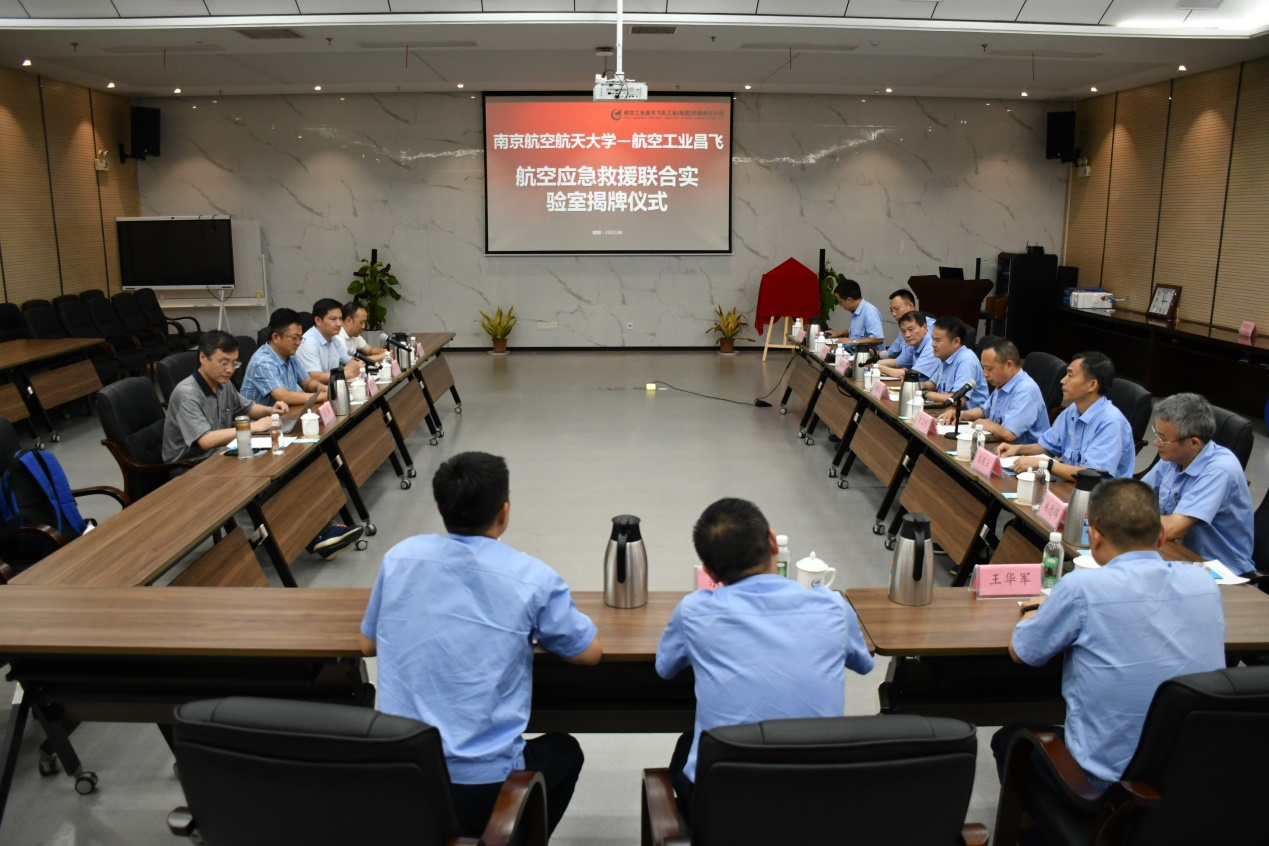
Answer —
747 87
1093 89
317 88
110 85
341 98
863 100
176 91
460 85
26 63
889 90
1024 93
1180 67
193 107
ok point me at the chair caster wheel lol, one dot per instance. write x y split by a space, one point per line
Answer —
877 527
55 438
832 472
362 545
801 433
843 483
783 410
458 409
85 783
433 441
410 472
372 529
406 484
441 433
810 441
889 544
49 767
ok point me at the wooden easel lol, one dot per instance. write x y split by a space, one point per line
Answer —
767 345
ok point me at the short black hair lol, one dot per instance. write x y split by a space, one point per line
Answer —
1126 512
732 539
848 289
912 316
281 320
324 306
350 308
1097 365
469 490
1004 349
214 341
952 326
907 295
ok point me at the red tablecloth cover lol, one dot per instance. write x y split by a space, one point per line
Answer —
790 290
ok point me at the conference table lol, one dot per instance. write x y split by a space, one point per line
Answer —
951 657
36 392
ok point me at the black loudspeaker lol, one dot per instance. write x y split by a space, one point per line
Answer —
1068 277
1060 140
145 132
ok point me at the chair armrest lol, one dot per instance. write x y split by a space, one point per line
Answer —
660 818
36 528
1065 769
129 463
974 834
6 573
181 822
104 490
197 326
108 349
519 814
180 330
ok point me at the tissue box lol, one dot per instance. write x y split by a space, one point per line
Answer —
1092 299
1068 293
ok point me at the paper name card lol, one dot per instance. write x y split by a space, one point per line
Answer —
1007 579
703 581
842 363
987 463
326 412
1247 331
396 369
822 352
799 335
1052 511
372 387
925 423
418 351
879 391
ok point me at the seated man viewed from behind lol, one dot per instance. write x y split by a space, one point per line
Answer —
1121 630
452 618
1202 491
1015 412
1089 433
762 646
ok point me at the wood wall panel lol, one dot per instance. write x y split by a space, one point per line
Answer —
68 127
1086 212
117 187
1136 184
28 245
1193 203
1240 281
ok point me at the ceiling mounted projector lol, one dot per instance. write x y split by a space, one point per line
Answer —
618 88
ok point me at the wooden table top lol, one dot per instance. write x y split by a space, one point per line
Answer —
26 350
432 342
957 623
629 634
136 545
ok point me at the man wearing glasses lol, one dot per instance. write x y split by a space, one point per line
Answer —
1203 494
274 374
201 410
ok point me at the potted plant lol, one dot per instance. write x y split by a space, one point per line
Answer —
728 328
499 327
374 283
828 300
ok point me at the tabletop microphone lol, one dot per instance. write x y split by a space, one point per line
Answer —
396 342
960 393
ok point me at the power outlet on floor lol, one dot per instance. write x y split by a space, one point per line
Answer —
629 325
545 324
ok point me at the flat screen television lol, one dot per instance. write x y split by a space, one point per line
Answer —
176 252
566 174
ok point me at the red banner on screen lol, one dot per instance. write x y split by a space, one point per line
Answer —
576 176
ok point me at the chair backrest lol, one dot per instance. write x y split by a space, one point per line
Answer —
1135 403
1047 371
1225 710
306 319
12 324
43 323
246 349
258 772
64 298
174 369
129 312
148 302
75 319
786 781
1233 431
92 294
1260 539
132 417
104 318
30 304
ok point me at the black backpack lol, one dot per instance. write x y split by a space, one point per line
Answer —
34 489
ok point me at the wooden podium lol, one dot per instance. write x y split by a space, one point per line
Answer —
942 297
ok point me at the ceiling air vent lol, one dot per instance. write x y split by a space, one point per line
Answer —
1195 5
644 29
268 33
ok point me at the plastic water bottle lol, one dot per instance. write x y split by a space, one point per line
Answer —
1051 568
275 434
1040 497
980 439
782 556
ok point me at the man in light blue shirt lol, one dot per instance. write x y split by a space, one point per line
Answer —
1203 493
865 320
1089 433
762 646
902 301
957 365
452 619
322 351
1015 412
918 352
1122 631
273 374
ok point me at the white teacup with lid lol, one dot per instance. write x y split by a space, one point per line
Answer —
813 573
309 423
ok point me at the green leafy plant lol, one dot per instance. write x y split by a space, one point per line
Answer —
728 326
828 300
373 286
498 326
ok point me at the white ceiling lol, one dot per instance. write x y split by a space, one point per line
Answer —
1053 49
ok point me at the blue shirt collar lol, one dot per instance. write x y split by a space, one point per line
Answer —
1205 455
1094 411
859 308
1128 559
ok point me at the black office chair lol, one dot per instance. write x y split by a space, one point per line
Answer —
64 298
109 360
37 303
1170 792
1135 403
246 349
175 369
1234 432
32 536
897 778
12 324
42 324
306 319
259 772
158 320
132 420
134 321
92 294
106 325
1047 372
